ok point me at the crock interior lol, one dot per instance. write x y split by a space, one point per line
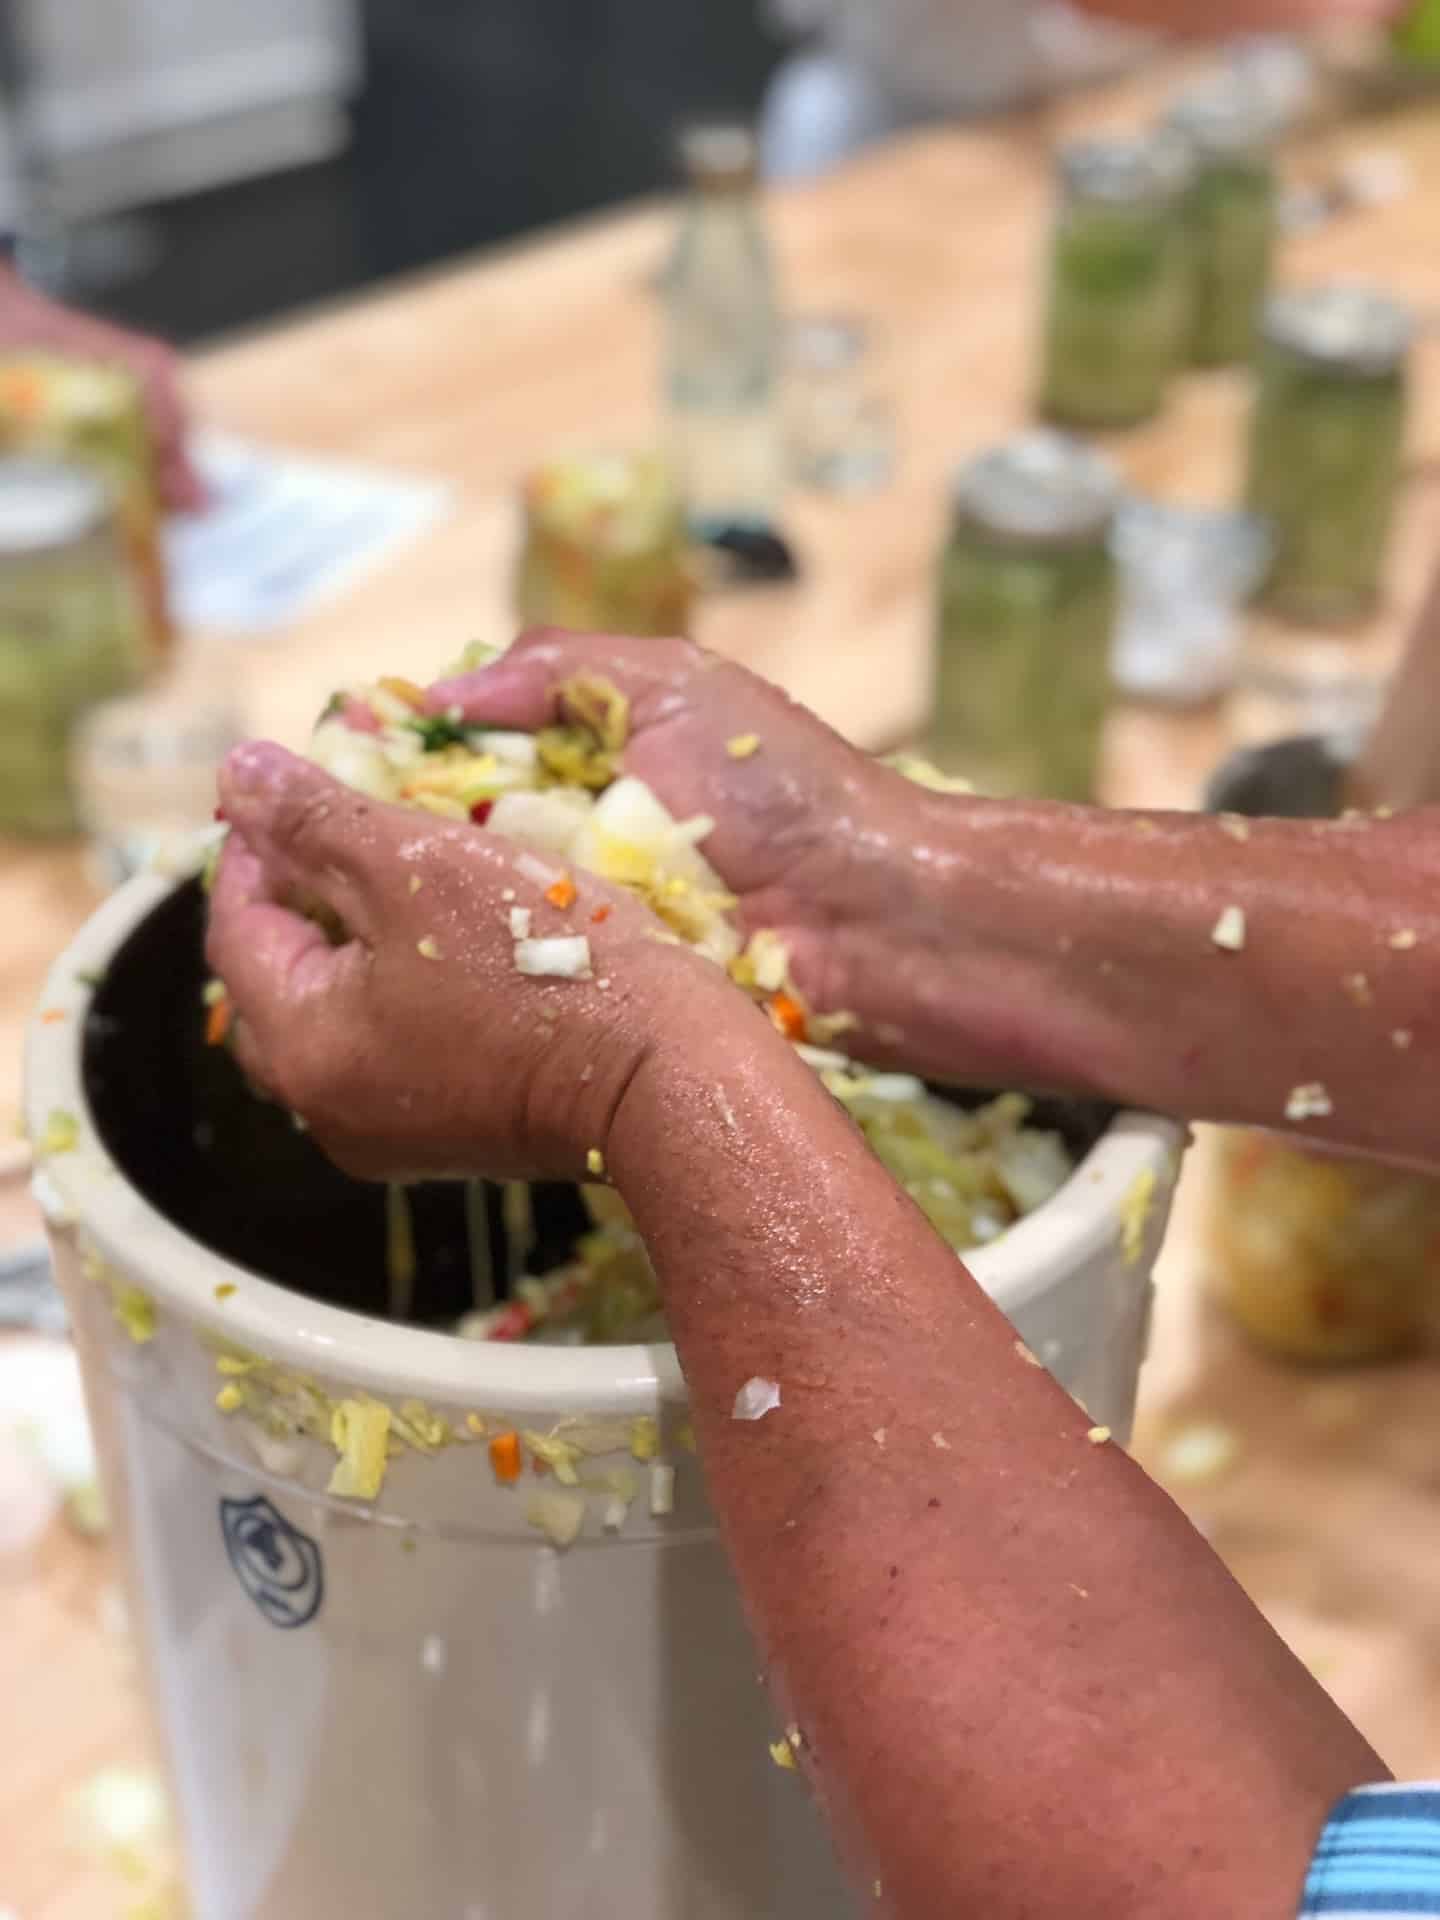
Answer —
233 1172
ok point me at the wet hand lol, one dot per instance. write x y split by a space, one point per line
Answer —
806 825
401 1031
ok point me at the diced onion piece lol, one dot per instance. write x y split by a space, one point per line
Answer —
358 760
515 749
545 822
534 870
563 957
662 1489
559 1516
1309 1102
1229 930
770 958
756 1398
520 918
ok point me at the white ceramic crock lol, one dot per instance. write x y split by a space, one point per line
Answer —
420 1706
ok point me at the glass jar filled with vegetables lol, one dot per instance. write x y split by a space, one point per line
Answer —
1027 609
1326 441
1118 281
72 632
1229 126
605 546
1318 1256
80 411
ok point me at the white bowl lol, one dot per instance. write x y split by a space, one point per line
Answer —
419 1704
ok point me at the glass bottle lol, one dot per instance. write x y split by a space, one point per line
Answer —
1117 295
723 346
1229 126
1027 611
71 632
1326 440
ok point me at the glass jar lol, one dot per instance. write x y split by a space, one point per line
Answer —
1027 609
1228 125
605 547
71 633
1317 1256
94 415
1117 299
839 423
1323 1258
1326 440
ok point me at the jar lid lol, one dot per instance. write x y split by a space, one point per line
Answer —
719 153
1040 486
1225 115
1126 169
1352 327
45 504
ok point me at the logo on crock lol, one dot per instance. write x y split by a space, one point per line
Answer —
277 1565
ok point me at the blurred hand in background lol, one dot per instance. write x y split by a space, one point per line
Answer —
29 319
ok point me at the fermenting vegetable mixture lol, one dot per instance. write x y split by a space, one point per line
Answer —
562 794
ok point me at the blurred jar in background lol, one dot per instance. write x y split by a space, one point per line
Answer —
1327 435
1318 1256
605 547
1229 125
143 768
1114 331
72 632
1027 605
94 415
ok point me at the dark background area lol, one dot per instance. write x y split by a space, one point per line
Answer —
480 120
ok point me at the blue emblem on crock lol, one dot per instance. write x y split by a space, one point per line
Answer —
277 1565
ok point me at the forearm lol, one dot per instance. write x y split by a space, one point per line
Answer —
1000 1642
1076 949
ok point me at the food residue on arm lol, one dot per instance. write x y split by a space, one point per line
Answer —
1357 986
1098 1436
1229 930
756 1398
428 948
741 745
1308 1102
1401 1039
1404 940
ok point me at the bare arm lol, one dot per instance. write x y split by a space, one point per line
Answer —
1078 949
1025 1686
1211 19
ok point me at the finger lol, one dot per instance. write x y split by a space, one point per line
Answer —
522 688
314 837
274 962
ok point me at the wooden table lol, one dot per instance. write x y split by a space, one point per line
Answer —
467 376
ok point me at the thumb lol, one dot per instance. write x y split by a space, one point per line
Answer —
523 688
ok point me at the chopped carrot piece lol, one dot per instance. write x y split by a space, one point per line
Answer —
600 913
405 690
788 1015
52 1016
505 1457
217 1022
562 894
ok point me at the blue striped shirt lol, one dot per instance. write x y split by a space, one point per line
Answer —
1378 1858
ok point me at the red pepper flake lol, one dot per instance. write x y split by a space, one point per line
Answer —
481 811
505 1458
217 1022
52 1016
562 893
600 913
222 816
788 1015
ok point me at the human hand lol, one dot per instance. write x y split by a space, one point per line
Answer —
28 319
806 826
411 1045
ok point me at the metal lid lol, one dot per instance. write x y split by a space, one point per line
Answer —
1039 486
1224 116
1353 327
1126 169
719 153
45 504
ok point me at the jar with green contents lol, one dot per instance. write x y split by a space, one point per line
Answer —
1230 214
1118 285
605 547
1326 442
72 632
1027 609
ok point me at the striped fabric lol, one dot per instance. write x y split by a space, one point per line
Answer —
1379 1857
